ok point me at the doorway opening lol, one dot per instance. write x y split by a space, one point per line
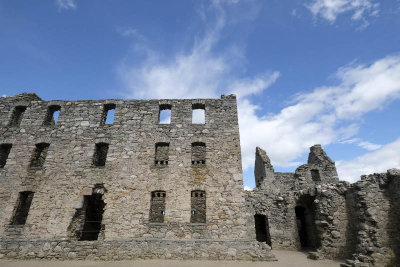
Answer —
92 225
305 219
262 229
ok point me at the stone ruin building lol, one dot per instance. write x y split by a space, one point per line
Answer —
114 179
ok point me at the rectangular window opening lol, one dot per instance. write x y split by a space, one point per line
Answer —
100 154
52 115
162 154
39 155
108 114
16 117
157 207
198 154
198 114
165 114
198 206
315 175
22 209
4 152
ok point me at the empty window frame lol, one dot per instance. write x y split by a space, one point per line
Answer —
53 112
22 209
198 206
94 209
198 154
162 154
4 152
39 155
108 114
198 113
100 154
315 175
164 116
17 115
157 207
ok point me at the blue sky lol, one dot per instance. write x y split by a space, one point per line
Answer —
304 71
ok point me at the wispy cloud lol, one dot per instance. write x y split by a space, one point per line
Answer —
325 115
65 4
130 32
363 144
331 9
378 161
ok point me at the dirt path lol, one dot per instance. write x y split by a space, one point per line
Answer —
285 259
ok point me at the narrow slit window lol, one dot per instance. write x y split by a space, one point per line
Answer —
4 152
162 154
22 209
198 113
39 155
198 206
108 114
93 215
315 175
100 154
17 115
198 154
164 114
157 207
52 115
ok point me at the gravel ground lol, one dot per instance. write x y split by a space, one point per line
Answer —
285 259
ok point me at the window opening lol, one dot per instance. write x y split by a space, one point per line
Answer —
108 114
100 154
164 114
305 219
262 229
17 115
315 175
39 155
23 205
4 152
52 115
157 207
198 206
162 154
198 154
94 208
198 113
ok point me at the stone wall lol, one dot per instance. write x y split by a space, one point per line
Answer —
359 222
128 176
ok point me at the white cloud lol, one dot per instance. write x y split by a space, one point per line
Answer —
324 116
378 161
330 9
363 144
369 145
65 4
3 95
130 32
247 188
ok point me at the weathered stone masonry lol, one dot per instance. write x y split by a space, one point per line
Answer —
311 209
95 185
82 186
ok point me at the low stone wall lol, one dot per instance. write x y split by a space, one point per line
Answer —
124 249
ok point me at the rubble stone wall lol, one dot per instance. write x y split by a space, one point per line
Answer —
129 175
